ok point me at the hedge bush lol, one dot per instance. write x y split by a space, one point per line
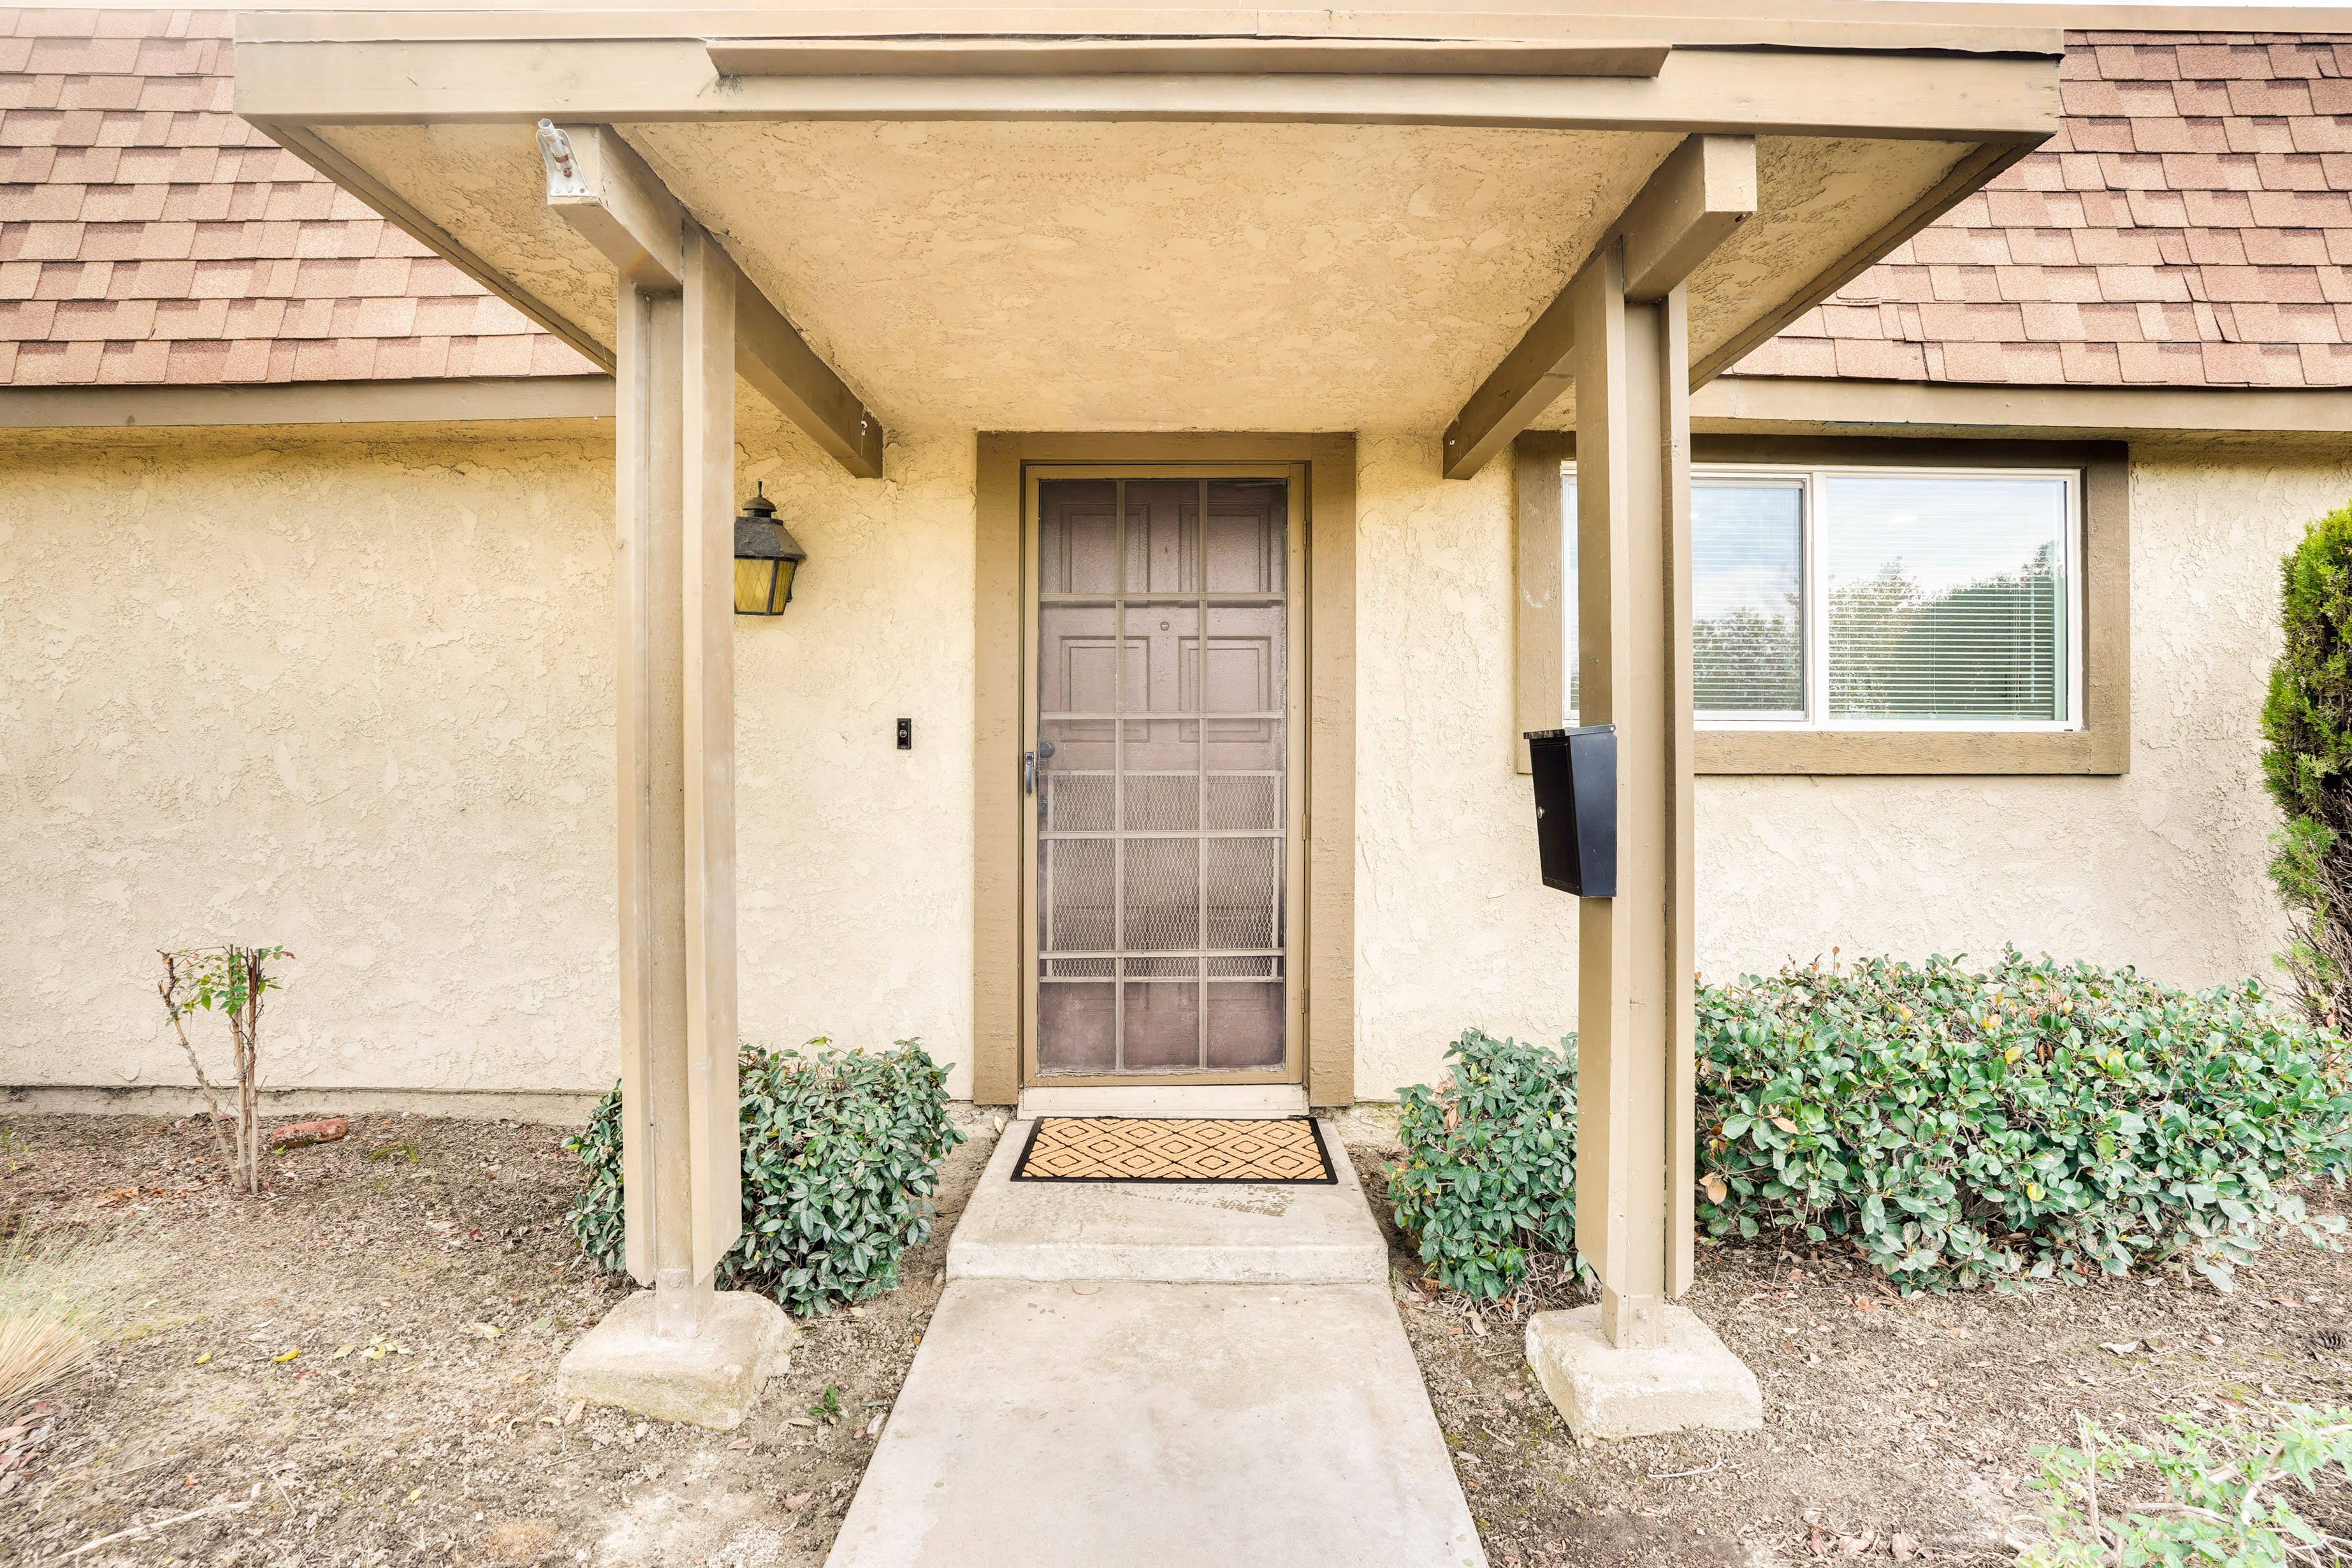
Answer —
1953 1127
841 1155
1489 1173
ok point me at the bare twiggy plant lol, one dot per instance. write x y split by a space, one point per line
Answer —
233 980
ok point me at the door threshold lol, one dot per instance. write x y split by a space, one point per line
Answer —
1253 1100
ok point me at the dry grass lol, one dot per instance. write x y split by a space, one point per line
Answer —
59 1300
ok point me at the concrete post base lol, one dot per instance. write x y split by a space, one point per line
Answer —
709 1380
1691 1382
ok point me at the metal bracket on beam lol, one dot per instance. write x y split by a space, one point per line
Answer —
604 189
1705 188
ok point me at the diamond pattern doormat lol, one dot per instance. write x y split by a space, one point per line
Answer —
1158 1149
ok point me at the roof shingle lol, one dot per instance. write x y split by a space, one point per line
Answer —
2190 223
149 235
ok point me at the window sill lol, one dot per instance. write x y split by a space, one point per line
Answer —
1951 752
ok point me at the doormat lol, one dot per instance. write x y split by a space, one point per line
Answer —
1166 1149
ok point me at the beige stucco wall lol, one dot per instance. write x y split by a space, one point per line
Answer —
2161 867
353 694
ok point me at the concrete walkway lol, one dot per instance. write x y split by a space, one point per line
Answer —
1156 1376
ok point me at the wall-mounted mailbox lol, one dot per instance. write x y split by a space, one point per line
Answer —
1576 808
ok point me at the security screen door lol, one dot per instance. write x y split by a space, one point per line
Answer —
1163 795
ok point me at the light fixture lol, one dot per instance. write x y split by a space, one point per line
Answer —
765 557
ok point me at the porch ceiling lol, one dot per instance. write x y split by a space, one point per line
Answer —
1093 271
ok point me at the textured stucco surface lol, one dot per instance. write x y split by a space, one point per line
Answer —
1453 926
355 695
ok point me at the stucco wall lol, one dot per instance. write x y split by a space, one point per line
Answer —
354 695
2161 867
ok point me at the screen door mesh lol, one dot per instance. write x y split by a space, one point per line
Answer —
1161 796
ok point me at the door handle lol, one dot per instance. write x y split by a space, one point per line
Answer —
1028 773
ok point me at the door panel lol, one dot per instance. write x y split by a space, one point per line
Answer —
1163 780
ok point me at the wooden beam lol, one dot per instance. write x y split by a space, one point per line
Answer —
708 517
1702 191
1241 55
627 212
619 207
771 355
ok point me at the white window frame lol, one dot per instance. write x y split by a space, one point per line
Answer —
1816 718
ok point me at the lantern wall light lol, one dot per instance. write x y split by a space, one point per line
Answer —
766 556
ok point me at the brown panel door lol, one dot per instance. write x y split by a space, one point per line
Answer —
1162 793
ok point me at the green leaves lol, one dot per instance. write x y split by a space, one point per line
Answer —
1489 1168
841 1155
1955 1128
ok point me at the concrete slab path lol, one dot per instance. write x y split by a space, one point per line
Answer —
1081 1422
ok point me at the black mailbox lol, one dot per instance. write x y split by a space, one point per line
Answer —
1576 808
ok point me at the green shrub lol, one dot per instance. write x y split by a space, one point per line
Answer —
1955 1128
1489 1170
2307 765
841 1155
2223 1495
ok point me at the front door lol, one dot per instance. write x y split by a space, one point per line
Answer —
1164 795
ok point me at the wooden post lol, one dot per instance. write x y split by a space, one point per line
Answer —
675 746
1634 1008
650 749
709 1128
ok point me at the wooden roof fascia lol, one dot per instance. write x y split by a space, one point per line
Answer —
1922 97
1794 405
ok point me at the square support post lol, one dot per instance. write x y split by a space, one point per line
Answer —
1634 1017
681 1167
682 1350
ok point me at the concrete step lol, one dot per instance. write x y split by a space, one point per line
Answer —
1206 1233
1243 1100
1160 1426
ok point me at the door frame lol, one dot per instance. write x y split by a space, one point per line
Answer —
1294 806
1323 632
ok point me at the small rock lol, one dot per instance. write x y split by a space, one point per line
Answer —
303 1135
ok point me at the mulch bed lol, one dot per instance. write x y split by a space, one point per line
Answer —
452 1447
1890 1425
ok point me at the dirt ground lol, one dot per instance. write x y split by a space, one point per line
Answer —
1888 1423
431 1438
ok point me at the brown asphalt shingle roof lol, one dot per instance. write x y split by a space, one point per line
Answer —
2191 225
149 235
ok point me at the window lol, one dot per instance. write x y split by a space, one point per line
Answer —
1876 599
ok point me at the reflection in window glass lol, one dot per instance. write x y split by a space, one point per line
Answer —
1945 596
1747 623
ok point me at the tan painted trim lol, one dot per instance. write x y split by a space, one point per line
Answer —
1236 54
1810 407
284 86
1328 942
997 774
2001 28
1330 946
1692 200
307 402
314 151
2102 747
1966 176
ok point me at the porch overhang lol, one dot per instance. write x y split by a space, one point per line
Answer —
1157 220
